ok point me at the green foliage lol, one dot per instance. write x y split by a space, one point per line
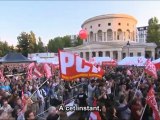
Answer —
153 33
27 43
40 46
62 42
23 43
5 48
78 42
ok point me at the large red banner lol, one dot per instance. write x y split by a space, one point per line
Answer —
72 66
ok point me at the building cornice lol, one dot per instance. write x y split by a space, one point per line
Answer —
108 16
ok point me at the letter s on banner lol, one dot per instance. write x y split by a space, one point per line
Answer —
67 60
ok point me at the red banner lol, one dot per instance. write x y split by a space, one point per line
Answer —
151 101
47 70
30 70
72 67
151 69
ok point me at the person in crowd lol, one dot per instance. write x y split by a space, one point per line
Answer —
124 114
103 113
53 114
29 115
91 91
6 107
136 109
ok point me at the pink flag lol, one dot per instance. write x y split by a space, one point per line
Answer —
151 69
47 70
37 73
128 72
30 70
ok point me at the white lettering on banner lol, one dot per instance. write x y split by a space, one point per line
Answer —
79 64
94 69
64 63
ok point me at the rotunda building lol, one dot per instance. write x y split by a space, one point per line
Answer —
112 35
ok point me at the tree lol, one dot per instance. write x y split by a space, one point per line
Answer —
23 43
40 46
78 42
4 48
55 44
153 33
66 41
32 43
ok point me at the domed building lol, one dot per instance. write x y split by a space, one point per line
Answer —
112 35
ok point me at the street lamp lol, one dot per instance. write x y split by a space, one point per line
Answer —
128 44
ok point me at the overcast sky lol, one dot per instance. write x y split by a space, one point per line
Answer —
50 19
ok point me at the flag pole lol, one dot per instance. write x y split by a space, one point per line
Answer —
143 111
138 83
38 88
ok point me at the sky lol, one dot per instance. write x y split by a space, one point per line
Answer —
49 19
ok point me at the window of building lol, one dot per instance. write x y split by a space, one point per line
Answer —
93 54
124 55
109 24
99 35
107 54
131 54
91 26
99 25
119 23
117 37
81 54
100 54
139 54
87 55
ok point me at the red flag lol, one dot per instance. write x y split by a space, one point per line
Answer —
151 101
73 66
95 114
37 73
47 70
30 70
23 99
151 69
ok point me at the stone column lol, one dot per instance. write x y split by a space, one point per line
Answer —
153 54
104 36
112 36
119 55
97 54
111 54
90 55
104 55
95 38
143 53
115 35
135 53
84 55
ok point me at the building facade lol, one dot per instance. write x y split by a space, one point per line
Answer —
142 34
113 35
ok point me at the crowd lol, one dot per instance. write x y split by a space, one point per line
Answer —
116 94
